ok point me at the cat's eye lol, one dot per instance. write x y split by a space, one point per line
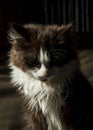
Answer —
51 64
55 64
32 63
38 65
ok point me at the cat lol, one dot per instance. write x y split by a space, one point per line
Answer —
46 71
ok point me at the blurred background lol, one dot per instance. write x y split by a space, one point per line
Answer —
78 12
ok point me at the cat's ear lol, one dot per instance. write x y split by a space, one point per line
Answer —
17 33
64 33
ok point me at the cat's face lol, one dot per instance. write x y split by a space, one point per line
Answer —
41 51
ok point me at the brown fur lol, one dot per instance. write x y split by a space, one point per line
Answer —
29 46
34 121
77 111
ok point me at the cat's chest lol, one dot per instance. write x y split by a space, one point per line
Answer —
42 95
45 97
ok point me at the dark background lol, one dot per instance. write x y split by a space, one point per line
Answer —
78 12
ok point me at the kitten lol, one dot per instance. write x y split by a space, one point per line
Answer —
45 68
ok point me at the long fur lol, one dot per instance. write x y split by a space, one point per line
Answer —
59 103
45 96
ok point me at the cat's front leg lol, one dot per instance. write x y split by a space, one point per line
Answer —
34 121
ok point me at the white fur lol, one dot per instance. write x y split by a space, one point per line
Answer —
43 70
45 96
43 56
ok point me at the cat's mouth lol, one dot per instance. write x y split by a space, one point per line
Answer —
43 79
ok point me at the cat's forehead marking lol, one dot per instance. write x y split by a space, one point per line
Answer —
43 56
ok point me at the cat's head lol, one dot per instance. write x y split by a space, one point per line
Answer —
41 51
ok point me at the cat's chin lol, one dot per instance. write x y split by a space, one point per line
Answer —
44 80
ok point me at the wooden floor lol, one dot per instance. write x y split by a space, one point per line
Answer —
10 100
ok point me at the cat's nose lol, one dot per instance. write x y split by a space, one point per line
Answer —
42 78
